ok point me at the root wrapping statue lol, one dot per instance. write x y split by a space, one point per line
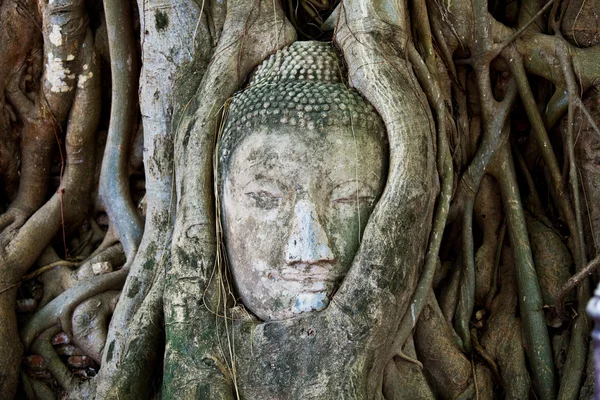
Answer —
303 160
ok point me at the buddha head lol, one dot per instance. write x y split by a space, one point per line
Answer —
301 164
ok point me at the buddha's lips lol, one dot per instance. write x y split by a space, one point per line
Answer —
308 274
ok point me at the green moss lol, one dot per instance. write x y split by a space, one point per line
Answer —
184 258
134 288
111 349
278 304
188 132
203 391
148 265
161 20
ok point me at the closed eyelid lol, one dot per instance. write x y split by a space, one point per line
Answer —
351 187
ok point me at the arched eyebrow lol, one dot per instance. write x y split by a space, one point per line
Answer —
258 160
263 180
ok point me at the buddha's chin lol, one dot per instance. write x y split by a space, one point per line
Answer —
310 301
301 304
292 299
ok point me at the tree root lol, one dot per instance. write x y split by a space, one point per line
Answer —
35 389
556 183
114 183
502 339
488 215
576 357
509 345
43 346
444 164
552 259
49 267
114 256
494 136
57 280
90 323
59 310
444 363
576 280
403 380
29 241
534 329
44 117
448 297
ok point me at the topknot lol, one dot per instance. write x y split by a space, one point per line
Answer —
301 85
301 61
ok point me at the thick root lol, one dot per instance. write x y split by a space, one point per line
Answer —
90 323
445 366
502 339
405 380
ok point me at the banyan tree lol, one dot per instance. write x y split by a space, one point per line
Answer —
299 199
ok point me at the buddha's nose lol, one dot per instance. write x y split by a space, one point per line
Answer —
308 241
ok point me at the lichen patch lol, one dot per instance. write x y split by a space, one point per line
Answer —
84 78
55 36
56 75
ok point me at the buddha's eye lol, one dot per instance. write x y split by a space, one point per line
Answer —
264 199
367 201
353 193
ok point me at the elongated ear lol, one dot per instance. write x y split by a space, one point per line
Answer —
385 270
252 31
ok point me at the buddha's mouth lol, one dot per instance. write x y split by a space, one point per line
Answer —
309 275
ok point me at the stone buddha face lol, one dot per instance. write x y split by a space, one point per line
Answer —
296 195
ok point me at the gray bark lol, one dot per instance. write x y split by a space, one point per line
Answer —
136 335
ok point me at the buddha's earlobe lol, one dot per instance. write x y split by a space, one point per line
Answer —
307 243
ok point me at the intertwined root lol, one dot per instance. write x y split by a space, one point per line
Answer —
72 189
58 118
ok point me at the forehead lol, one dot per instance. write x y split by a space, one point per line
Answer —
332 149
